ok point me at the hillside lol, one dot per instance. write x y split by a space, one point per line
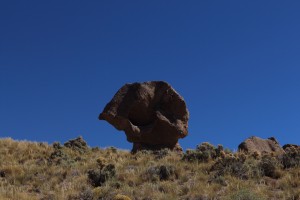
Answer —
74 171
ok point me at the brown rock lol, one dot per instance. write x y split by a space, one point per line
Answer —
152 114
258 145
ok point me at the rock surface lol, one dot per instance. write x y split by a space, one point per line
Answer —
256 144
152 114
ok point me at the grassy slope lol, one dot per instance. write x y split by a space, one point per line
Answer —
32 171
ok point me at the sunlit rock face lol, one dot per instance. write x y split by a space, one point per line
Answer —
152 115
259 145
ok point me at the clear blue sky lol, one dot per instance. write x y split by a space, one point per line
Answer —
236 63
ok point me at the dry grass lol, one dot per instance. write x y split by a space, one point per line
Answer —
30 170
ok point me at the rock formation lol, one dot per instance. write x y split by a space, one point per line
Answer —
256 144
152 114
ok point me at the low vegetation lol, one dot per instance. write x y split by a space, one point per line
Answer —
74 171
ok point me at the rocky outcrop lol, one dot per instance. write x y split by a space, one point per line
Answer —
258 145
152 114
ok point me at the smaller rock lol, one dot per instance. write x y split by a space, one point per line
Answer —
259 145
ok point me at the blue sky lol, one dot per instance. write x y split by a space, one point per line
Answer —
236 63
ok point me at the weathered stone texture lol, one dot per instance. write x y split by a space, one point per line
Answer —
258 145
152 114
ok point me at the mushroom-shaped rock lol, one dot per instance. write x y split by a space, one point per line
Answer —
152 114
259 145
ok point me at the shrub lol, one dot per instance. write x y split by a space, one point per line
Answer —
143 152
86 194
159 154
48 197
58 156
237 166
241 166
56 145
291 158
95 149
194 155
101 162
204 152
77 144
269 167
245 194
99 176
218 179
2 173
207 149
112 149
121 197
161 172
166 172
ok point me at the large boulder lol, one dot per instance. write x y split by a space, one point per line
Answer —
258 145
152 114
